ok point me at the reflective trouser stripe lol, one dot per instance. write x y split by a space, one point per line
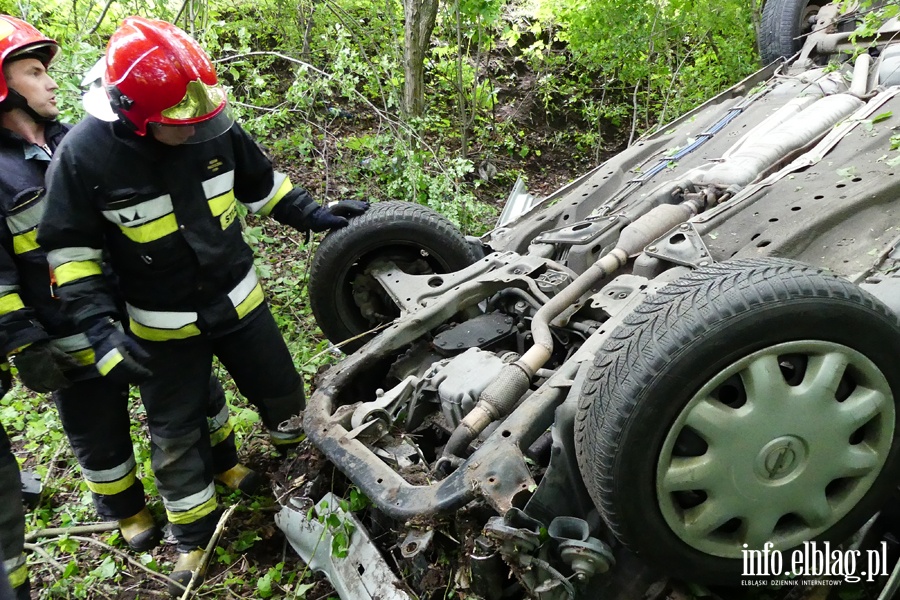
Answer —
220 427
17 570
113 487
193 507
111 481
10 303
159 326
220 435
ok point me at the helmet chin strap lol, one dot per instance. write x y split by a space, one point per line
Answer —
16 100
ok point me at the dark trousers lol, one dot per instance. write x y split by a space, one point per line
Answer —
94 414
255 355
12 522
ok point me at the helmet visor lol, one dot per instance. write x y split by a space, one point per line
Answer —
200 102
194 133
95 99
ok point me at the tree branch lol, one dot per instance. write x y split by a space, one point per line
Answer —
58 531
195 575
94 29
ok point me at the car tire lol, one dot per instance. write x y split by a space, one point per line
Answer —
676 429
415 237
783 21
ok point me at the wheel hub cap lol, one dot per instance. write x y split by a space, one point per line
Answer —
778 447
780 458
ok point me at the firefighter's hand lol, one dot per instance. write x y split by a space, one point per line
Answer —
42 367
118 357
348 208
335 216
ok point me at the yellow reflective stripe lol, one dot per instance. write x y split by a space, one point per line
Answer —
283 189
75 270
155 334
194 514
17 577
25 242
220 204
219 435
84 357
109 361
110 488
255 298
151 231
10 303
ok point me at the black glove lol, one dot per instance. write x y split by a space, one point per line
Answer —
118 357
336 215
42 367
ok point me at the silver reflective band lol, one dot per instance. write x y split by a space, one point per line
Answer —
72 343
141 213
161 319
73 254
218 185
8 289
107 358
276 185
217 422
14 563
243 289
189 502
107 475
27 219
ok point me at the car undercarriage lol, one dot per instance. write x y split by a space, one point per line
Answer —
686 353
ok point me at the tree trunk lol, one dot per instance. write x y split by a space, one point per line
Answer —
419 16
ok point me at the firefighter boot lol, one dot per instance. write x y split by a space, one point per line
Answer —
23 592
241 478
185 566
140 531
289 433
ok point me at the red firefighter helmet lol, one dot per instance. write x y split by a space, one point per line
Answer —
157 73
18 38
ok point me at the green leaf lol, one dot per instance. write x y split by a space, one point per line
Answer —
245 540
847 172
107 569
264 585
71 569
882 117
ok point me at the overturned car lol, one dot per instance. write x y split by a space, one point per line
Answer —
687 353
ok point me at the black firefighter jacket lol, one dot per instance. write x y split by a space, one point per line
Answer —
28 310
167 217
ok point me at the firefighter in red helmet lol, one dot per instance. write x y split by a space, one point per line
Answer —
46 345
160 193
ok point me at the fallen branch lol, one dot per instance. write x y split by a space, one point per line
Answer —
75 529
220 527
162 578
46 556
